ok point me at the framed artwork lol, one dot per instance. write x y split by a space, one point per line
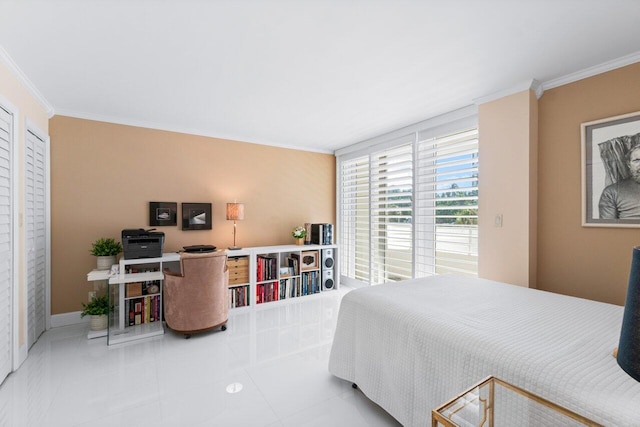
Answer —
309 260
611 172
163 213
196 216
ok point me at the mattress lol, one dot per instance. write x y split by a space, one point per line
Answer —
411 346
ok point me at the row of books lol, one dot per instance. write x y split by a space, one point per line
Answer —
239 297
307 284
267 292
295 287
310 283
318 234
267 267
143 310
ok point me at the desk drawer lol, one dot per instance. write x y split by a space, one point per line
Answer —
237 280
238 270
238 261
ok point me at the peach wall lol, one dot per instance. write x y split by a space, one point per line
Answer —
589 262
29 108
507 187
104 175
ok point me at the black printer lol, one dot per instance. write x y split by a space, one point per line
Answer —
140 243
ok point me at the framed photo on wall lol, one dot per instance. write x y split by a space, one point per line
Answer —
163 213
196 216
611 172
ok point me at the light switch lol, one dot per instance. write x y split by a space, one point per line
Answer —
497 221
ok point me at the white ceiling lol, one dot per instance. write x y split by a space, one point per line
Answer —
310 74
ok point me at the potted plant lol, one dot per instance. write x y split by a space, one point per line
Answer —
106 250
98 309
299 234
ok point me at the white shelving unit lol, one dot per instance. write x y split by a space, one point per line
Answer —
262 289
119 330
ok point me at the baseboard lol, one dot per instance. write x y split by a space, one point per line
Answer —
66 319
22 356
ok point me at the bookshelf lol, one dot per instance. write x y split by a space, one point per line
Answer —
268 274
135 293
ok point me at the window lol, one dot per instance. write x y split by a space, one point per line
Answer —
447 205
408 206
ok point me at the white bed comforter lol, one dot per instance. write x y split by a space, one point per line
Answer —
411 346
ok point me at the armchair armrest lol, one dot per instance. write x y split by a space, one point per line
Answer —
168 272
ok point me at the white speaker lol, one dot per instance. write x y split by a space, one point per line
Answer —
327 280
327 269
327 259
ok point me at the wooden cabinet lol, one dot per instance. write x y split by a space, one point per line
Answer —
238 270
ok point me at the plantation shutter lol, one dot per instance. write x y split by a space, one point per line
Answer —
391 214
6 242
447 204
354 218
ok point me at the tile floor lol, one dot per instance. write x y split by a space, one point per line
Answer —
274 357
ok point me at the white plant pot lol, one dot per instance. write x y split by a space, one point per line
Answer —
105 262
98 323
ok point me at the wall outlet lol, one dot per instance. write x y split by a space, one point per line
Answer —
92 295
497 221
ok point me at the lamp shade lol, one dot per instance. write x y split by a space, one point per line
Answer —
235 211
629 346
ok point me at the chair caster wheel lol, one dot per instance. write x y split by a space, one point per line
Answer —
224 327
187 336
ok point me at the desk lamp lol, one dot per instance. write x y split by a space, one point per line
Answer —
235 212
628 356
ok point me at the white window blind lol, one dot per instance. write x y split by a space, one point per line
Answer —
391 210
354 218
408 204
447 204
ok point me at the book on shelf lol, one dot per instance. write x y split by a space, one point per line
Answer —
307 236
143 310
267 292
321 234
294 263
238 297
267 267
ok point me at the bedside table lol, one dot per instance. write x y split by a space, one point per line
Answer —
494 402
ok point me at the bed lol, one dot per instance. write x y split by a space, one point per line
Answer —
411 346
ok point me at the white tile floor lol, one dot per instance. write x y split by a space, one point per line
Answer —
278 353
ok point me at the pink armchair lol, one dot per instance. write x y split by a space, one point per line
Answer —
197 299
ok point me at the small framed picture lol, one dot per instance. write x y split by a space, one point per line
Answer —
309 260
611 172
163 213
196 216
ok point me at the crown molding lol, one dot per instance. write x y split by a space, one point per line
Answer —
178 129
592 71
6 59
532 84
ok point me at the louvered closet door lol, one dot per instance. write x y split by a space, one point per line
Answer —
6 243
35 228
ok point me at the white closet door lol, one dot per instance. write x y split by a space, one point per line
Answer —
35 229
6 243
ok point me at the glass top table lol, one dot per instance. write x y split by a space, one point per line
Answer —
494 402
